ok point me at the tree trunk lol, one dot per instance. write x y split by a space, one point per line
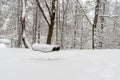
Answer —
57 22
18 44
34 35
63 23
38 33
23 32
50 30
95 23
23 23
102 20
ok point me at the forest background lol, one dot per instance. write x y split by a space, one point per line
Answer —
72 24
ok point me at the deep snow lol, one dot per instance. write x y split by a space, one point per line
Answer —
25 64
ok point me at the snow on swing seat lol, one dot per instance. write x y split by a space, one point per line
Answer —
45 47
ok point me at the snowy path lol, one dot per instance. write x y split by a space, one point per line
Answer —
25 64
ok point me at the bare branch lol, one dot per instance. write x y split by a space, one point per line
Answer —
84 13
96 14
48 8
53 6
41 9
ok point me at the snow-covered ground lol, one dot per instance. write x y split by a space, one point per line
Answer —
25 64
3 45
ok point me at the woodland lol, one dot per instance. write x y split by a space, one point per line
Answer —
72 24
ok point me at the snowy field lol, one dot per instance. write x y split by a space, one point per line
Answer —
25 64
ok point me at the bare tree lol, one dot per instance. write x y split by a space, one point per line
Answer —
18 44
21 28
34 28
57 21
50 23
95 23
102 22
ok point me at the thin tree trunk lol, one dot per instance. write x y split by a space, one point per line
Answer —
81 42
23 23
23 32
62 22
39 25
102 24
18 27
64 9
34 35
95 23
39 33
75 26
57 23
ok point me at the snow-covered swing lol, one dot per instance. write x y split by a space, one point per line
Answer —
45 47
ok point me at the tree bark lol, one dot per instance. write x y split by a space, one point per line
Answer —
102 20
23 23
18 44
95 23
34 35
57 22
50 33
52 19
